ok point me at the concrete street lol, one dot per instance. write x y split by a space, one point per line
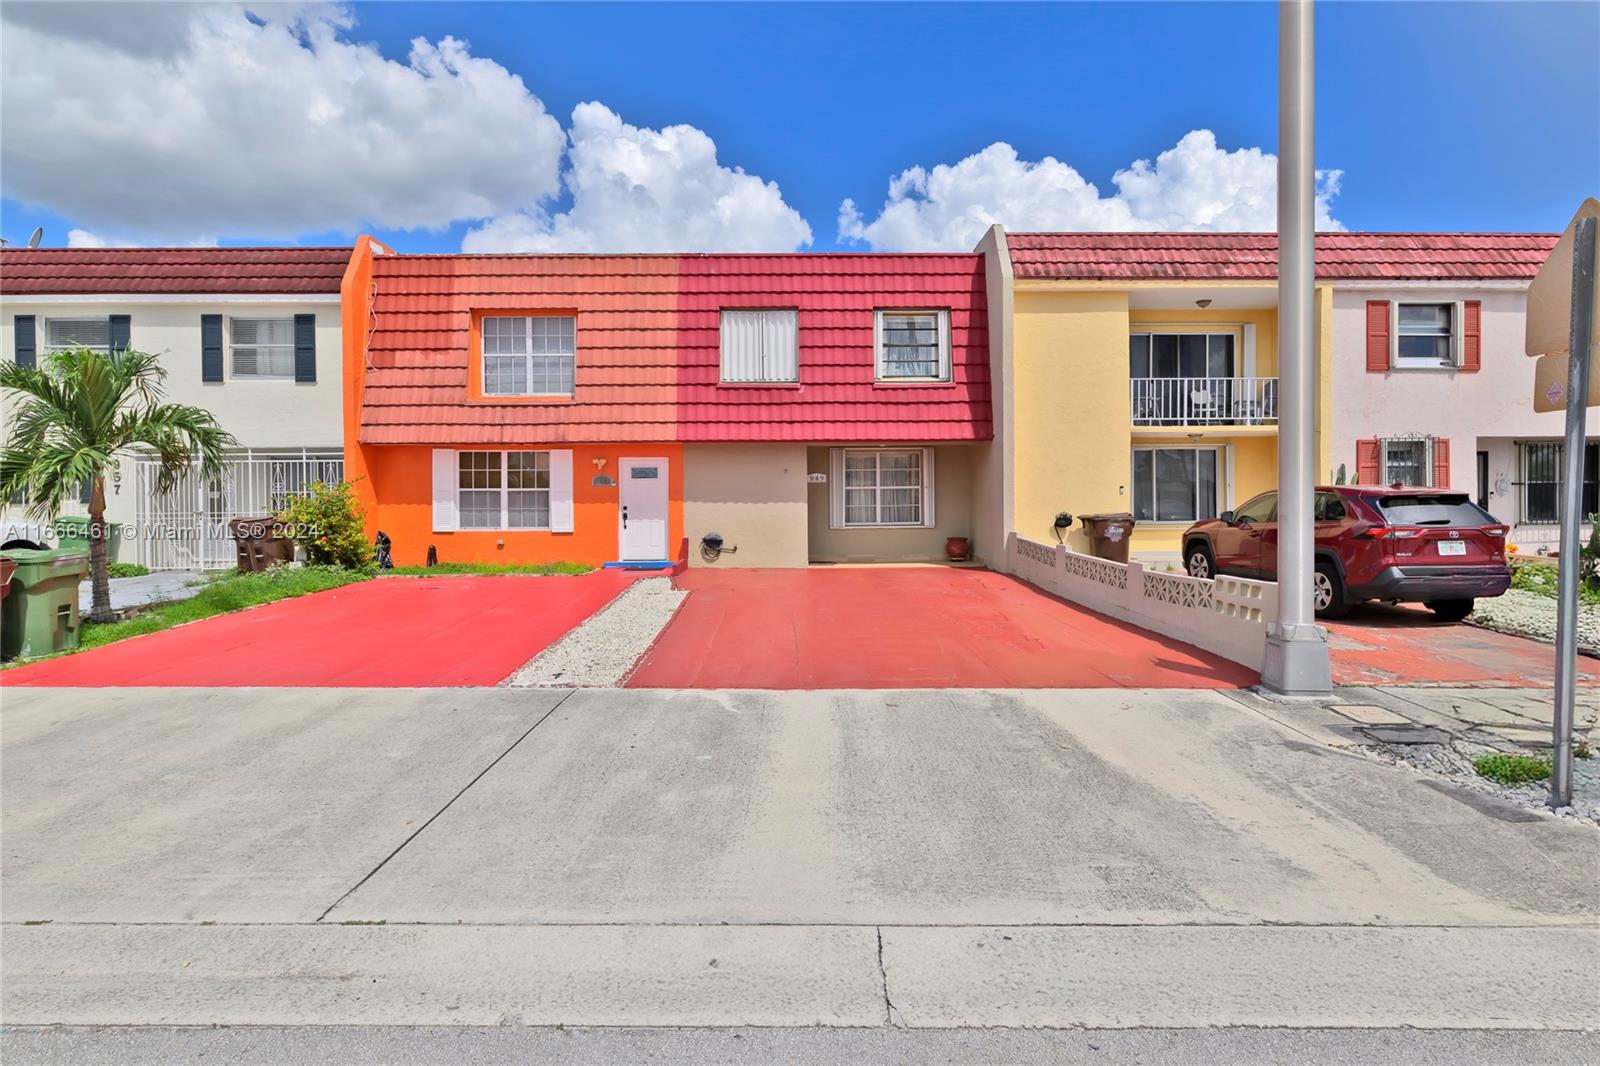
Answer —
916 859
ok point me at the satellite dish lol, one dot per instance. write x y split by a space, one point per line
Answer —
36 237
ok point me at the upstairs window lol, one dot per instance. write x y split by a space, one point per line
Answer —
261 347
1425 335
913 345
70 334
760 346
532 356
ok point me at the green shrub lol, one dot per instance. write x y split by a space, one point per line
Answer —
329 526
1542 579
126 570
1511 769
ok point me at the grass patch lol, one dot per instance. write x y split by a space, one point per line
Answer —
222 594
126 570
1541 578
488 568
1582 750
1511 769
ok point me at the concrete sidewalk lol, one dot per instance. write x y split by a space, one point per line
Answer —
900 858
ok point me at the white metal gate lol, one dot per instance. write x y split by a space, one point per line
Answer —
187 528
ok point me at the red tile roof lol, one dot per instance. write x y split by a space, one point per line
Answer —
1254 256
122 271
648 352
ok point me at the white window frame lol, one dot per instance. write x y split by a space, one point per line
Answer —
765 359
837 511
104 322
1224 480
1457 310
504 490
233 374
1427 458
528 355
942 316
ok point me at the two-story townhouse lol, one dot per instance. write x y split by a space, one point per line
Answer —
1141 375
614 408
252 335
1431 384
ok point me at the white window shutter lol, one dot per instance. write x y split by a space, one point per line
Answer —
444 490
927 488
836 488
944 346
561 491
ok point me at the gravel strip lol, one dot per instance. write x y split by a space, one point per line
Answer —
1454 762
1528 614
601 651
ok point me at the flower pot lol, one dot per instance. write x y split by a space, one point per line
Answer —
956 549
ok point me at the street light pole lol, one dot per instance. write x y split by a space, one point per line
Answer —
1296 660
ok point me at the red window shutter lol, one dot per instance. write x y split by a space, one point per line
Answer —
1377 336
1441 463
1472 335
1366 462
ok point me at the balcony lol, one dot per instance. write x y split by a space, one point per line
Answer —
1204 401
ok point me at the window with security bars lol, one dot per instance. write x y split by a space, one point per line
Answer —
533 356
70 334
883 487
1541 481
261 347
913 345
504 490
1406 461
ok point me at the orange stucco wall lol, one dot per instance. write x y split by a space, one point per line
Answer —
399 501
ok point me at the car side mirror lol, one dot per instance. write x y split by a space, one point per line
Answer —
1226 517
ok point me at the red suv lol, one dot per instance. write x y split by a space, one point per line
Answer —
1372 543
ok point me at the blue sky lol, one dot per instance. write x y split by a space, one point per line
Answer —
1440 116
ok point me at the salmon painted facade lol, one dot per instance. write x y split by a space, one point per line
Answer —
787 408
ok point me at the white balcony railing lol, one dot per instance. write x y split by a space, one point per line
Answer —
1204 401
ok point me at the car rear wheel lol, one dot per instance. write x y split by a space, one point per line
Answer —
1450 610
1327 591
1198 561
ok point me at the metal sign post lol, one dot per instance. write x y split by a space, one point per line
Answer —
1570 575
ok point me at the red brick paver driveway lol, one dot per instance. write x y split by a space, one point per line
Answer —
389 632
906 627
1382 645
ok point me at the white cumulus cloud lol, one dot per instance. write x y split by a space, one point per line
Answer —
646 190
174 123
1194 185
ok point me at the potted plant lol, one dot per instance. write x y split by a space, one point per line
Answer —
956 549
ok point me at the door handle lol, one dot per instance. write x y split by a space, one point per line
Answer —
624 518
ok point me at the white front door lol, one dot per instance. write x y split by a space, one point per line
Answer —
642 516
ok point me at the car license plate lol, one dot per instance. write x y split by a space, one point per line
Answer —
1452 547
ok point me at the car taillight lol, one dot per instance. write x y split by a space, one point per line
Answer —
1495 531
1389 533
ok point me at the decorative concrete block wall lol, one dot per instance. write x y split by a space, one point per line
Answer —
1227 616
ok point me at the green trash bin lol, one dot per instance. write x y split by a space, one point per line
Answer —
72 534
40 614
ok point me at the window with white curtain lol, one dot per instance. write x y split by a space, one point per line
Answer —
913 345
1175 484
261 347
503 490
760 346
70 334
884 486
529 356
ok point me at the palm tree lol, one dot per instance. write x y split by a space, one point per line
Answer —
70 418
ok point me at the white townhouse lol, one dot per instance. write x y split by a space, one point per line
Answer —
1430 383
252 335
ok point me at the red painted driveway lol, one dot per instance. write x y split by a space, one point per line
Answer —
912 627
390 632
1382 645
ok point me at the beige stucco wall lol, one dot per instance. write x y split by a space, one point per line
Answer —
953 514
994 460
754 495
1072 429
